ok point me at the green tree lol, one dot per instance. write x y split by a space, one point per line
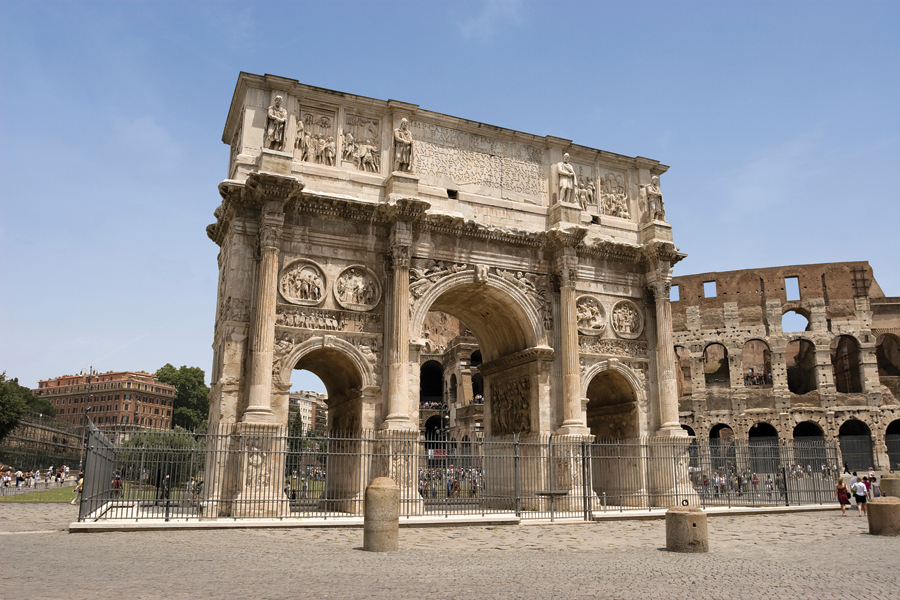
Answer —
13 404
191 406
15 401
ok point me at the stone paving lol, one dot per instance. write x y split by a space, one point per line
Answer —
796 555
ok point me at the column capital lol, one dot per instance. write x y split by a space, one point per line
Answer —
565 269
659 281
399 255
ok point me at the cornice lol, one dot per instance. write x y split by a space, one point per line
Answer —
523 357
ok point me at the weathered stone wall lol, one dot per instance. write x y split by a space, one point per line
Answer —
838 370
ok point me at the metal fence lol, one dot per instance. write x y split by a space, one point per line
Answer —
247 471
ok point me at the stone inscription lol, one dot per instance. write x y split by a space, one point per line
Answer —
510 407
468 158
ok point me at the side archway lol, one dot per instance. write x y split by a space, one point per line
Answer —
349 378
892 441
614 393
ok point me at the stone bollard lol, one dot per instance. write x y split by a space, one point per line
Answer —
686 530
884 515
890 485
381 528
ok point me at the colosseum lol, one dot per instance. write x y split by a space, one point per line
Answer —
791 352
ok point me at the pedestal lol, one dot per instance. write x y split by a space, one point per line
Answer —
398 455
260 493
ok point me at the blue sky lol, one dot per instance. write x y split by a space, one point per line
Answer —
779 121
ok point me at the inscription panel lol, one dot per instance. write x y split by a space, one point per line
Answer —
467 158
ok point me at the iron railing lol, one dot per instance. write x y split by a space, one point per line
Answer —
257 471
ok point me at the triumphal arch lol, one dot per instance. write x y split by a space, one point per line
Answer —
345 220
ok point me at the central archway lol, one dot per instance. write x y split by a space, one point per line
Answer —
503 314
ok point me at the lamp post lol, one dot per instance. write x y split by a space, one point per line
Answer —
84 436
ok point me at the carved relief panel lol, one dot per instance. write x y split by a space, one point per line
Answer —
511 407
591 316
613 194
357 288
302 282
361 145
466 158
315 141
627 320
318 319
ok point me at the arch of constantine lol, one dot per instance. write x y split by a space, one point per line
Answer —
347 223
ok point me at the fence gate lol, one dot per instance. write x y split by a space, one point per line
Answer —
99 469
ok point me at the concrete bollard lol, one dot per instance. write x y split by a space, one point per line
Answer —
686 530
381 528
890 485
884 515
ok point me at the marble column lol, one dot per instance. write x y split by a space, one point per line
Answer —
259 404
573 417
660 283
398 365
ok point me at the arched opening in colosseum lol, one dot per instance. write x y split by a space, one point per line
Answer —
466 452
683 374
436 440
795 321
756 359
715 366
453 389
845 362
809 449
612 406
431 385
855 439
477 388
892 440
693 449
887 353
475 359
765 453
800 359
721 446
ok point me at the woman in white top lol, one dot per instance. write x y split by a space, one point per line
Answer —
861 493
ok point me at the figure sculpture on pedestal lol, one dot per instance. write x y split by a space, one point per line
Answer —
276 118
567 181
403 147
655 209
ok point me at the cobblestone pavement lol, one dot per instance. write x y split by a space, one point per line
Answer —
799 555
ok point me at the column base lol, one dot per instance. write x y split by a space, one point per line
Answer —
573 428
671 431
398 422
258 415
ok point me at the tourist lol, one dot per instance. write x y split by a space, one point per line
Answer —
843 496
861 493
78 489
874 487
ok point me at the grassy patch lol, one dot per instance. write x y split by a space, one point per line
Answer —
64 494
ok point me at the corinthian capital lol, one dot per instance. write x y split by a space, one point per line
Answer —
269 236
398 254
566 270
660 283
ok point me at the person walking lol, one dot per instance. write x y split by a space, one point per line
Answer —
843 496
78 489
875 487
861 493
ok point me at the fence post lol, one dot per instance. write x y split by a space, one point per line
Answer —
784 484
675 472
516 477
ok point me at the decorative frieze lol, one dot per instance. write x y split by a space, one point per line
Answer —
316 136
423 274
628 348
325 320
361 145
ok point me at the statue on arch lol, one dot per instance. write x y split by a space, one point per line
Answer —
654 200
403 147
567 180
276 117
